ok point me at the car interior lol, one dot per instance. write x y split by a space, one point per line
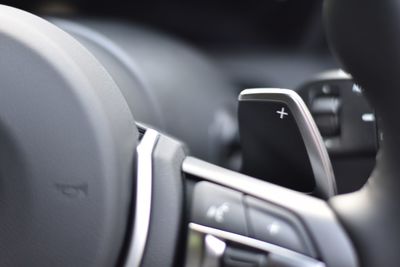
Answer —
199 133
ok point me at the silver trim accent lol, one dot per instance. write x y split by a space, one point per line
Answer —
292 200
319 158
214 249
203 250
299 259
144 178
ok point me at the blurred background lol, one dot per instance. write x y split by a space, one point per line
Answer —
256 43
181 65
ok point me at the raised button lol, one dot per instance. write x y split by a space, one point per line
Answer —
273 225
218 207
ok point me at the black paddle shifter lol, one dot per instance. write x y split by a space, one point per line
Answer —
281 143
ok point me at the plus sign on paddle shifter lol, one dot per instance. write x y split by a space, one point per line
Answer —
282 113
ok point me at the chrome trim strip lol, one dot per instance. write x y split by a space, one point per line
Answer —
318 155
292 200
144 176
214 250
298 258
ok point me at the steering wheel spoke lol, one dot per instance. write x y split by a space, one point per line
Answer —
301 229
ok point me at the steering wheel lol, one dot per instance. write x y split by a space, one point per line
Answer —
81 184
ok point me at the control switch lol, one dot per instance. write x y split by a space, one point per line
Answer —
218 207
275 226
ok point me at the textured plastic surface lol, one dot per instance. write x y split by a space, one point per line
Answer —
67 139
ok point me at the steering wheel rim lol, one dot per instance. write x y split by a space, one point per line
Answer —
66 191
367 46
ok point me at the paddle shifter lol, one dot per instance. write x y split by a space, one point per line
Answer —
281 143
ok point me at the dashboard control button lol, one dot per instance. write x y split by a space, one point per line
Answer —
325 110
218 207
344 117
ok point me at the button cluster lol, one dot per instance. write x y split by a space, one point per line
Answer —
345 119
225 209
